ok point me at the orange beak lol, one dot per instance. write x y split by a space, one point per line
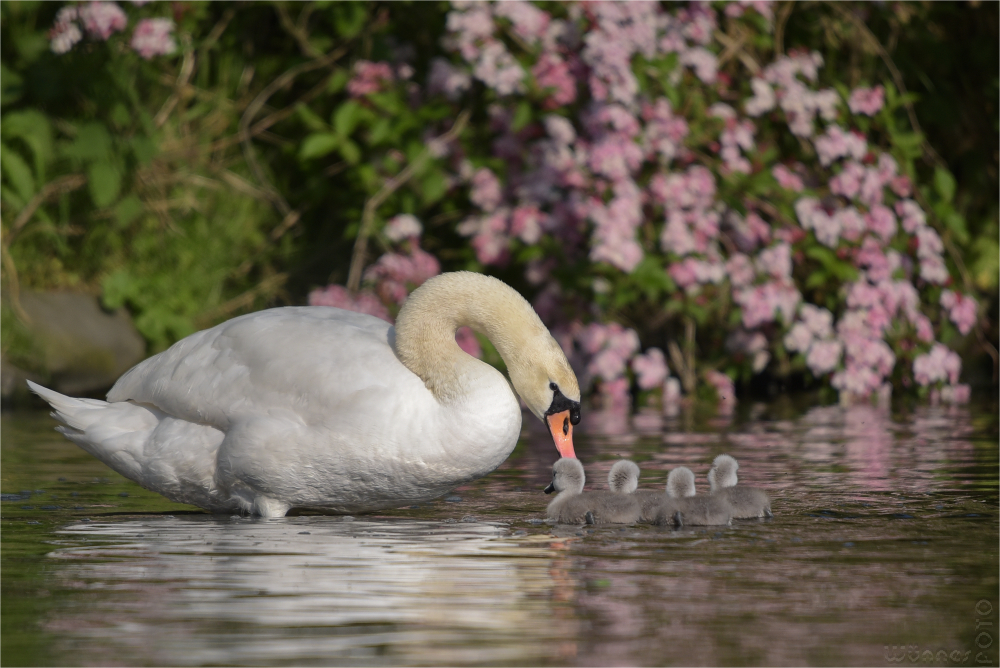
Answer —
562 433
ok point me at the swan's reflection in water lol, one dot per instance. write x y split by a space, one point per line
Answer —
213 591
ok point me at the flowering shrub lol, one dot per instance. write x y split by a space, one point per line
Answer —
623 147
691 197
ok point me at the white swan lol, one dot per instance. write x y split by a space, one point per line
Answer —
323 408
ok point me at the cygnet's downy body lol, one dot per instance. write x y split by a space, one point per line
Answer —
574 506
624 479
747 502
683 507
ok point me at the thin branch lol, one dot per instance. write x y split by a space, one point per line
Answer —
14 293
297 32
389 187
258 103
985 344
218 29
242 301
779 28
63 184
187 68
737 48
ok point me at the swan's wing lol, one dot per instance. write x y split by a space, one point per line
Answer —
308 361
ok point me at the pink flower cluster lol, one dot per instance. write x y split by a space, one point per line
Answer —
961 310
154 37
340 297
939 365
369 78
151 37
622 167
781 85
866 101
650 369
736 135
471 32
99 19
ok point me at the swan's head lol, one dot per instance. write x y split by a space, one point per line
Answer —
723 472
545 381
567 474
680 483
624 477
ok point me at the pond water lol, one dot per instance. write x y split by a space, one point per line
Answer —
883 551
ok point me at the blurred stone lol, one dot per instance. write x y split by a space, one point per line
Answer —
77 347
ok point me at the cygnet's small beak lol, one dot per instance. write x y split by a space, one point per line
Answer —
551 488
562 433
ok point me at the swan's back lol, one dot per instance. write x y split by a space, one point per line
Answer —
273 360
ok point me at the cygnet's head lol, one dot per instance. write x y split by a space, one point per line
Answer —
680 483
567 474
624 477
723 472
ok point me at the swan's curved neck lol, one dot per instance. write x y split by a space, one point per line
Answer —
426 325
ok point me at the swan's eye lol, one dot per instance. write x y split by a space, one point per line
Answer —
565 426
553 387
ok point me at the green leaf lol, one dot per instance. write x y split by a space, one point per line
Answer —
944 183
816 279
956 223
104 182
388 102
11 86
840 269
116 288
143 149
522 116
33 128
311 118
649 276
345 119
92 143
17 172
128 210
338 80
910 143
380 132
349 17
434 187
318 144
350 151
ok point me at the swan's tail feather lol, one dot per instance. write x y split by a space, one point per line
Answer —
165 454
75 414
115 433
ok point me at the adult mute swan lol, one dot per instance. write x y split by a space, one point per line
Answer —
318 407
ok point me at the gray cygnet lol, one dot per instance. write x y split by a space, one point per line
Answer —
574 506
624 479
747 502
682 506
